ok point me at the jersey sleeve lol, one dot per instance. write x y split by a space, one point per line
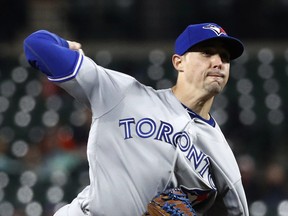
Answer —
100 89
50 54
235 200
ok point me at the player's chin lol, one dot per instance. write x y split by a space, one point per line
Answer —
215 88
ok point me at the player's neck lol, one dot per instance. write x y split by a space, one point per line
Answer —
200 105
202 109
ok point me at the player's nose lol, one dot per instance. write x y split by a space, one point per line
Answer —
217 60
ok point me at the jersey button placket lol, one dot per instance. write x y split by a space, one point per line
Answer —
191 129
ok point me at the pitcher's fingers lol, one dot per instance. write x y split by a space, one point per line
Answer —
74 45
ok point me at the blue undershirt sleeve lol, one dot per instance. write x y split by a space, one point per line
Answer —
51 55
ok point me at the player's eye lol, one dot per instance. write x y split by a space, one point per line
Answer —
225 57
208 52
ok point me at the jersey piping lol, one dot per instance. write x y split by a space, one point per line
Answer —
193 115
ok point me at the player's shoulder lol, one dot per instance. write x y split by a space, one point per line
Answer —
123 79
115 76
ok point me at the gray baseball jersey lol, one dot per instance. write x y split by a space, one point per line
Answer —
143 141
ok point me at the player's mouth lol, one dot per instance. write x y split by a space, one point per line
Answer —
216 75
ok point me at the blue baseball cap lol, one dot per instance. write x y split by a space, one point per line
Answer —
197 33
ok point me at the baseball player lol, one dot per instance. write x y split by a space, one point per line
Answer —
143 141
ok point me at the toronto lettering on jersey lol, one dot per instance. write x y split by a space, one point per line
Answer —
164 131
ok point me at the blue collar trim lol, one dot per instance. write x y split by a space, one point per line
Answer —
193 115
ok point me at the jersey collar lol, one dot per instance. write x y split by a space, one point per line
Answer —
193 115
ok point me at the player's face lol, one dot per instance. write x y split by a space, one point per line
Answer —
205 69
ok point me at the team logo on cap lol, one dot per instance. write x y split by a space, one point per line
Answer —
217 30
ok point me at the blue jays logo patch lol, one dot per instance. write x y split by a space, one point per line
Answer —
217 30
199 196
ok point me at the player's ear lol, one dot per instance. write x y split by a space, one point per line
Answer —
177 62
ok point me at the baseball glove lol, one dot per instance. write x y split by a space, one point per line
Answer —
170 202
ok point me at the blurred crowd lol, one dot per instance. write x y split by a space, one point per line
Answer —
143 20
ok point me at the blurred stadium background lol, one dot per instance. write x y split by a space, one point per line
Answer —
43 130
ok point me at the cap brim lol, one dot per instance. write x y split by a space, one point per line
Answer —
234 46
